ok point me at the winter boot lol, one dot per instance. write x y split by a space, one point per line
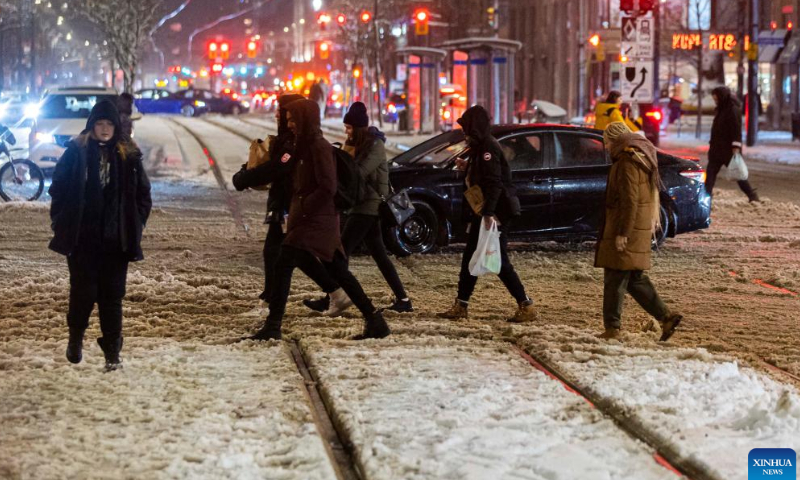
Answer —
609 334
267 332
111 349
401 306
525 313
75 346
668 326
456 312
753 196
339 303
374 327
319 305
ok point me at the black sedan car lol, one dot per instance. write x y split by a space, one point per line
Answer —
212 102
560 174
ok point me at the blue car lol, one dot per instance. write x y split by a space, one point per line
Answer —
155 100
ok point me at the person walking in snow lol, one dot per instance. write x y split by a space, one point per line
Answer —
632 216
608 111
488 169
276 172
101 203
363 221
313 227
726 140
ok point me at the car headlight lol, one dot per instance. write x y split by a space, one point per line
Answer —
42 137
198 103
32 110
246 104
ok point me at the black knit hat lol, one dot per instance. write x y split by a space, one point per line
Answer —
105 110
357 115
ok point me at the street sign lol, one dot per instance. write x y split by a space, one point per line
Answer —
638 39
637 81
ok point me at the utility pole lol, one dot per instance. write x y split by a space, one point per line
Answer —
378 63
582 53
752 80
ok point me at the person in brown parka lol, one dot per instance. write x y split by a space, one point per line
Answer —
632 215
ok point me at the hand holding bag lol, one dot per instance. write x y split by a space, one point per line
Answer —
259 154
486 258
737 169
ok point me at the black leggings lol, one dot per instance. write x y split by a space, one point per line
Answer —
272 248
713 169
509 277
291 258
97 278
366 229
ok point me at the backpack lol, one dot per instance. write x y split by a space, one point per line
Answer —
350 184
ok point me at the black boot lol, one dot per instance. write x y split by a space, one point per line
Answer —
75 346
374 327
401 306
320 305
111 349
748 190
267 332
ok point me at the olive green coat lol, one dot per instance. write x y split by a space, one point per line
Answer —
375 170
629 211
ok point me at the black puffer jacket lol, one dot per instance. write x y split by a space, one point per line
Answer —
726 131
127 214
277 170
488 167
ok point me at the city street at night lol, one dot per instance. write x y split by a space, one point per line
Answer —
230 106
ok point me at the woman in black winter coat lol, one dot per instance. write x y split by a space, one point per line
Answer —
101 202
726 139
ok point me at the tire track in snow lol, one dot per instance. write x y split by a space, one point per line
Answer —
233 205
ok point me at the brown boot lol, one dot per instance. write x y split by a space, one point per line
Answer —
525 313
609 334
668 326
456 312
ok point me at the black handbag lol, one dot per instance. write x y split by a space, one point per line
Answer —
396 209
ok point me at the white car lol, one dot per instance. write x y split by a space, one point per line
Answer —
60 116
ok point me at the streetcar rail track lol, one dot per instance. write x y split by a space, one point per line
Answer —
339 448
233 205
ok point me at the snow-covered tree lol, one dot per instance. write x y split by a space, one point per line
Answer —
126 26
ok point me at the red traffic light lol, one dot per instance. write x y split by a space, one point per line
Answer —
421 15
341 19
323 18
366 16
225 47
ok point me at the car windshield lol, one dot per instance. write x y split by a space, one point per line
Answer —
71 105
436 151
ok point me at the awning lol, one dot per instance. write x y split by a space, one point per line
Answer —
791 52
770 44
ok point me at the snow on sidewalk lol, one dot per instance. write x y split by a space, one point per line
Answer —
175 411
710 408
466 409
771 147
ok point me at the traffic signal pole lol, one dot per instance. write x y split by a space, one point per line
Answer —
752 78
378 64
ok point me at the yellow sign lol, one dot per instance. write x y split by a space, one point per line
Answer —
752 52
600 55
422 28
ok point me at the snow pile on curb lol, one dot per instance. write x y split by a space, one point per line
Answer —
175 411
438 408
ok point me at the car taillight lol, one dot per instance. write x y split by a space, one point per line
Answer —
696 175
654 114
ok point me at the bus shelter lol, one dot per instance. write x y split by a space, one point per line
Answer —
485 68
420 67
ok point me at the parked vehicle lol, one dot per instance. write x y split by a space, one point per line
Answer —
155 100
61 115
212 102
560 174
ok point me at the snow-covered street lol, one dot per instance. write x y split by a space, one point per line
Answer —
438 399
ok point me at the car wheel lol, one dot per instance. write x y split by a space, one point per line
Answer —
417 234
187 111
236 110
661 234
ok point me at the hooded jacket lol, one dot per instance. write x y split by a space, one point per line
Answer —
488 167
726 130
130 190
313 219
277 170
632 201
605 114
374 168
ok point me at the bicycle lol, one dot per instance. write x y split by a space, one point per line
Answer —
20 180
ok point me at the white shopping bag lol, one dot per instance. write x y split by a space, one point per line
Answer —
737 169
486 258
